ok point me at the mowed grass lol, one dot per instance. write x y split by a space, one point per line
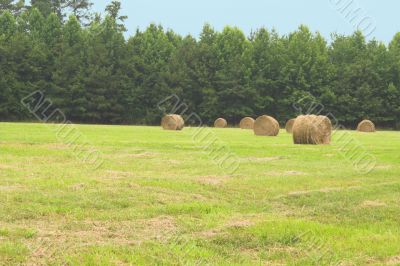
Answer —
158 198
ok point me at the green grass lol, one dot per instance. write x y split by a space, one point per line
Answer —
159 199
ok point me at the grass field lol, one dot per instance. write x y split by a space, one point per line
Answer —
159 199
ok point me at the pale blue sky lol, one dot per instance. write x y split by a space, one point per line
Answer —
325 16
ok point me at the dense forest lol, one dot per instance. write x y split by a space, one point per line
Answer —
85 65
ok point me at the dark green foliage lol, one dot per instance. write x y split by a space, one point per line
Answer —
13 6
94 75
79 8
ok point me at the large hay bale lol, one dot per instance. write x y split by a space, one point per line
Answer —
312 129
172 122
266 126
289 126
181 122
366 126
247 123
220 123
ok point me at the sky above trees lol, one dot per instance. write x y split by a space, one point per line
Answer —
285 16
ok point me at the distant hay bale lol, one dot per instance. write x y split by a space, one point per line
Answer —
289 126
247 123
366 126
266 126
220 123
172 122
181 122
312 129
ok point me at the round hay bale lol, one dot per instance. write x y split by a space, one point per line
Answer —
181 122
266 126
366 126
247 123
289 126
312 129
172 122
220 123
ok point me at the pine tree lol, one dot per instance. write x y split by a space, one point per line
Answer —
105 78
79 8
70 93
232 77
267 57
206 71
155 51
12 6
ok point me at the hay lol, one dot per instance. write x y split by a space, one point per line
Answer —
366 126
247 123
172 122
181 122
289 126
266 126
312 129
220 123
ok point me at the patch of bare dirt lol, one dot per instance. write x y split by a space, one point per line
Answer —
56 146
261 159
393 260
77 187
55 238
140 155
160 227
209 233
173 162
305 192
234 223
6 167
240 224
294 173
372 203
383 167
143 155
285 173
134 186
117 174
10 188
198 197
337 189
213 180
50 146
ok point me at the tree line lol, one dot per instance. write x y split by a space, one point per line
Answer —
85 65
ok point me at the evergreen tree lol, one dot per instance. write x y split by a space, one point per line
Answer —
267 56
206 71
235 96
70 93
182 77
13 6
305 70
154 50
105 79
113 10
79 8
8 81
